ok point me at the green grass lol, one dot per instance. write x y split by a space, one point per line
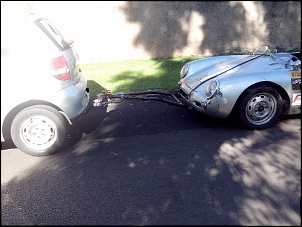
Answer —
134 75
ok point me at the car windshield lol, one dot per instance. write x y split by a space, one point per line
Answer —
261 50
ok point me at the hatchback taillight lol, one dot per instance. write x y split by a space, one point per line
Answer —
59 68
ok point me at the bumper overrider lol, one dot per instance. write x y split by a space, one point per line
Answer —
206 98
187 94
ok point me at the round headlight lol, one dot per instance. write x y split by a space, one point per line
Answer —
184 70
212 89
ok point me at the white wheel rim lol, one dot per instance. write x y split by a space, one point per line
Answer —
261 109
38 132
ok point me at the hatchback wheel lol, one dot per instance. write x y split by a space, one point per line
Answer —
260 107
39 130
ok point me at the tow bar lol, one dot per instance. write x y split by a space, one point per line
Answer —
106 97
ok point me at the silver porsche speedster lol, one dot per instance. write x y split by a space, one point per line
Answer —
258 87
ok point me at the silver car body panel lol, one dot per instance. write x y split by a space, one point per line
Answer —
235 74
26 78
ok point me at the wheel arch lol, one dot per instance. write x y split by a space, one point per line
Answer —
281 90
6 127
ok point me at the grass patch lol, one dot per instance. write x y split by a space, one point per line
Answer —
134 75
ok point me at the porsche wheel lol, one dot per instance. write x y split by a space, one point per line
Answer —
39 130
260 107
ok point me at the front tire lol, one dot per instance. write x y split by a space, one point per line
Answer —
260 107
39 130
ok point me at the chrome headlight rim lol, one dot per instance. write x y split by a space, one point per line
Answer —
184 70
212 89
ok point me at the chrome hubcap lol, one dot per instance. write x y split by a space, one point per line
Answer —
261 108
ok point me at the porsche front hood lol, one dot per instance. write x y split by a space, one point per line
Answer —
206 69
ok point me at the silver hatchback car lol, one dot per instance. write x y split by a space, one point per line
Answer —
42 86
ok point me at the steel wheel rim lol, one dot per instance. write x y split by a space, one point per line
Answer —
38 132
261 108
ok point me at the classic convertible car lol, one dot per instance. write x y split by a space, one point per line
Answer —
258 88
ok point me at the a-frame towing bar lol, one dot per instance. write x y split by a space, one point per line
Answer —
106 97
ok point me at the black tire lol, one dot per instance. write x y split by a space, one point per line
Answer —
39 130
260 107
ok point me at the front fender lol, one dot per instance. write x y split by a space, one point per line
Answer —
232 87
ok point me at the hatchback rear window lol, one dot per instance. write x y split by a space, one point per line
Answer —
54 34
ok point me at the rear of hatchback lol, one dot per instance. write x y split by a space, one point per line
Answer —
42 86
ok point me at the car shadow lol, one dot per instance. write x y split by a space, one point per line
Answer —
7 145
84 125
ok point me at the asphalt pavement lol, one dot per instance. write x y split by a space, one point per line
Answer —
149 163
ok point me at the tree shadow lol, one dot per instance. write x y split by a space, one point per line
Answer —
150 164
219 27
